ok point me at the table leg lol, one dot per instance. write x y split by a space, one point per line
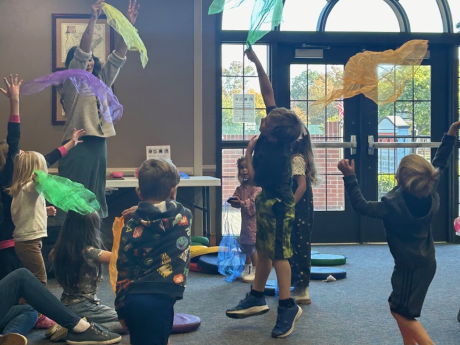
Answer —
208 214
205 211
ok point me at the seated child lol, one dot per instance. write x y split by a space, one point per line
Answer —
77 258
407 211
244 198
154 256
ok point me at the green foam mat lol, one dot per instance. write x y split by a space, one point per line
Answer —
328 260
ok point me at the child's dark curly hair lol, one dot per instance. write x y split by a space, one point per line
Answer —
284 125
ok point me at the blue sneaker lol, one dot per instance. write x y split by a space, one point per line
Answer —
286 320
249 306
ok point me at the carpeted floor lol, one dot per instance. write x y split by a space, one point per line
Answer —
349 311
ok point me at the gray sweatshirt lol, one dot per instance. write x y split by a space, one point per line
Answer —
82 112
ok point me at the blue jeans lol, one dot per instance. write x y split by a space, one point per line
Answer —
22 283
19 319
149 318
93 312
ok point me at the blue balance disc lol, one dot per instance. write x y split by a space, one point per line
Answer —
321 273
208 263
270 288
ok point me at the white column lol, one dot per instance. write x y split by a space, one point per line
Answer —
198 89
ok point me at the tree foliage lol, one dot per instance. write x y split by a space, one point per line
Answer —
413 106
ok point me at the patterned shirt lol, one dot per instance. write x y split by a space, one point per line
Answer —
247 193
87 283
299 165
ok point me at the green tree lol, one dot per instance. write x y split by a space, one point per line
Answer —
418 89
233 83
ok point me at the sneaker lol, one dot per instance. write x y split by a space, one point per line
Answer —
301 295
251 276
13 339
286 320
249 306
245 271
94 335
44 323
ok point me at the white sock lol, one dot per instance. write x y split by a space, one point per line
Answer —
81 326
253 270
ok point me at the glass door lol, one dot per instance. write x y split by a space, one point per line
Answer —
383 134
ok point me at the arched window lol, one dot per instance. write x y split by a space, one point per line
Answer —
424 15
362 15
455 11
301 15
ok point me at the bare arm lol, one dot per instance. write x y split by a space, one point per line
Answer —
87 38
249 151
12 92
265 84
105 256
133 9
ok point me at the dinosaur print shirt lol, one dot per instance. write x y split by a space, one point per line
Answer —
154 254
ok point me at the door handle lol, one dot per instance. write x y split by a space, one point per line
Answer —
352 145
372 145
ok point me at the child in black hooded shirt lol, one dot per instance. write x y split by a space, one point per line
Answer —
154 256
407 211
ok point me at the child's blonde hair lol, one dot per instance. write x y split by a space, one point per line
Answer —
416 175
24 166
3 153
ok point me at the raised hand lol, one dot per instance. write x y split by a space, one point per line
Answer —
252 143
97 9
12 87
453 130
251 55
346 168
133 11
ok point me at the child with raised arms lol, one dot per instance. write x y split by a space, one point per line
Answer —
407 211
270 168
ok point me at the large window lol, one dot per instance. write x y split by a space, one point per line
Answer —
308 84
406 120
347 15
239 77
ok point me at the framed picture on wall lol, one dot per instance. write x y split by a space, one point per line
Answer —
67 32
58 114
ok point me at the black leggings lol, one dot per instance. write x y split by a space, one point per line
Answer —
22 283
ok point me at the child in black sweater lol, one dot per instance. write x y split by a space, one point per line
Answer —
406 212
154 256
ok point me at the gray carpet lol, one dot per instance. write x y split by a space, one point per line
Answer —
349 311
